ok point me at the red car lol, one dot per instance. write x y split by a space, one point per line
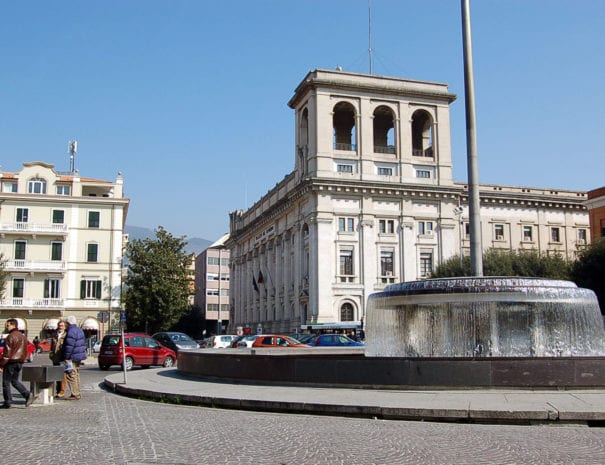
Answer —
141 349
276 340
31 350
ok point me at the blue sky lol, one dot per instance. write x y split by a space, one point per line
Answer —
188 99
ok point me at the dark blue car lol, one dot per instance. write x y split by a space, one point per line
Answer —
333 340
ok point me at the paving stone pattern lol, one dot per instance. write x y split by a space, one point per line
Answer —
105 428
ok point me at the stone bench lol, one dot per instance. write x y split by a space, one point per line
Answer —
42 379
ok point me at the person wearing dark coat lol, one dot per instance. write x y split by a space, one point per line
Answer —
13 356
73 352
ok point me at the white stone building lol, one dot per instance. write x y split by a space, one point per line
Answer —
371 201
62 238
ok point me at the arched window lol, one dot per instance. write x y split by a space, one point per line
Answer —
36 186
347 312
344 127
304 128
384 130
422 134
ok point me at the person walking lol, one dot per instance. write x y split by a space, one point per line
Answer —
73 352
15 353
56 353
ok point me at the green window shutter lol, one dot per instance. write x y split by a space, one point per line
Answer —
98 289
83 289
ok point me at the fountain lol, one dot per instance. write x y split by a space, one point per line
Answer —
484 317
443 333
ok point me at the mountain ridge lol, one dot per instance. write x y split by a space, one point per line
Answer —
195 245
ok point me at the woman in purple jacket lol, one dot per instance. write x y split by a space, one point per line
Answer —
73 352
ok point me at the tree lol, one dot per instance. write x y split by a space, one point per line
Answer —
497 262
589 270
157 285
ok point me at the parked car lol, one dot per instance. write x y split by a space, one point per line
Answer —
247 341
276 340
140 349
175 340
96 347
31 349
220 342
333 340
45 345
305 338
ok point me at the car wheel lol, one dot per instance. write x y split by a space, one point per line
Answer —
168 362
129 363
104 367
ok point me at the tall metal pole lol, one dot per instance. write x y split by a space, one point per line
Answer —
471 145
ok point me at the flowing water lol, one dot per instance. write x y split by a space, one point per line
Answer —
484 317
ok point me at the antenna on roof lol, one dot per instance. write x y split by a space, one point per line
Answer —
370 32
72 148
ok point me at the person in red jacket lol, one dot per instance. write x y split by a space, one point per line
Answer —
15 353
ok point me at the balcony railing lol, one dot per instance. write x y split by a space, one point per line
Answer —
423 153
34 228
390 149
345 147
23 303
35 265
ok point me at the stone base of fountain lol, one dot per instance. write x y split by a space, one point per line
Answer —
444 333
351 368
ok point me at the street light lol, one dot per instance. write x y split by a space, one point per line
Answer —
458 212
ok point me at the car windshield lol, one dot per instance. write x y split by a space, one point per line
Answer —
181 338
111 340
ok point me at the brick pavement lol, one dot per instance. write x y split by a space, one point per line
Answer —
108 429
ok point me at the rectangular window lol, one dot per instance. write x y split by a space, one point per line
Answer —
58 216
22 215
426 263
36 186
211 291
346 263
346 224
56 251
93 219
555 234
386 263
63 189
425 228
344 168
90 289
499 232
92 252
467 230
211 277
385 171
52 288
582 236
423 174
18 286
20 250
9 187
386 226
527 233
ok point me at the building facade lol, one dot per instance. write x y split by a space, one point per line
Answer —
212 285
596 211
62 239
371 201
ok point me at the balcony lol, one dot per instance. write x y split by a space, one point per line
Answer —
344 147
35 266
20 303
423 153
388 149
33 228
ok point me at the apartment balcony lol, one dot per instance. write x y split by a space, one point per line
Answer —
20 303
33 228
35 266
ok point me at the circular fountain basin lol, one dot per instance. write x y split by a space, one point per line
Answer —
484 317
